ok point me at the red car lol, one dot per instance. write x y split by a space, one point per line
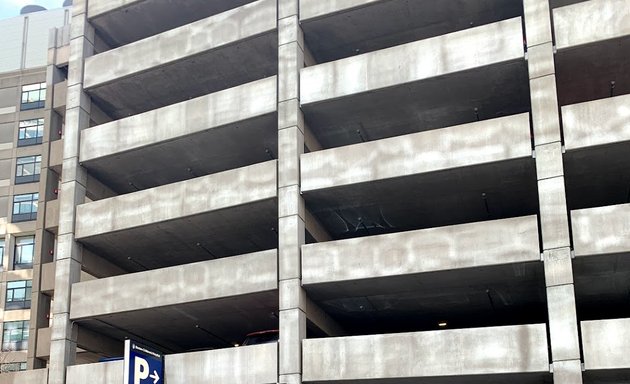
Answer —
262 337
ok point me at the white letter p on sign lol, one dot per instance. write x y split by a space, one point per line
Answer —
141 370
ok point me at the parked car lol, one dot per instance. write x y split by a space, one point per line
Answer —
262 337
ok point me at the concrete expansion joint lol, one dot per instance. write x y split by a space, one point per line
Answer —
539 44
549 178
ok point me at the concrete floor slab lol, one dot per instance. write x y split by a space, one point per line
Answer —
121 22
213 133
591 21
470 297
445 101
606 344
413 253
468 194
601 231
466 352
184 327
436 150
239 46
338 29
203 281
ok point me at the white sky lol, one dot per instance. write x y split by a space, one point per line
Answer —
11 8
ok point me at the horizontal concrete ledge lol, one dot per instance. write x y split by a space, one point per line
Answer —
35 376
179 120
310 9
496 242
99 7
187 198
419 60
211 33
590 21
602 230
98 373
461 352
468 144
599 122
202 281
606 344
256 364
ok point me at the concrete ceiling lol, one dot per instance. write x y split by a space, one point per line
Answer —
602 286
173 329
464 298
584 73
388 23
222 68
562 3
227 232
214 150
146 18
598 176
495 90
608 376
428 200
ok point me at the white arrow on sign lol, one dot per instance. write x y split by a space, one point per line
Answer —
155 377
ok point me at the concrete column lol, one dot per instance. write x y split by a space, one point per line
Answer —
554 219
63 343
291 218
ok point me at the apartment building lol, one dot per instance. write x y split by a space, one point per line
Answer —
409 191
28 181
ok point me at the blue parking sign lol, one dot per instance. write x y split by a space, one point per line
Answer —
143 365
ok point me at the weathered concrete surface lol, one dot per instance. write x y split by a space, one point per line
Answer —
210 33
493 350
606 344
602 230
35 376
445 248
185 118
475 143
187 198
310 9
591 21
99 373
256 364
598 122
201 281
458 51
120 22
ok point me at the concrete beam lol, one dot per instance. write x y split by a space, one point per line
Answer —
487 243
606 344
310 9
191 197
458 51
176 121
256 364
463 145
599 122
35 376
99 373
320 319
255 272
174 45
602 230
590 21
461 352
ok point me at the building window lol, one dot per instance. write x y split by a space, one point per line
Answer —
27 169
2 253
25 207
33 96
12 367
15 335
19 294
24 251
30 132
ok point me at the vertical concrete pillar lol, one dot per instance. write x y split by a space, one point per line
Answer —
291 226
554 219
72 192
44 241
